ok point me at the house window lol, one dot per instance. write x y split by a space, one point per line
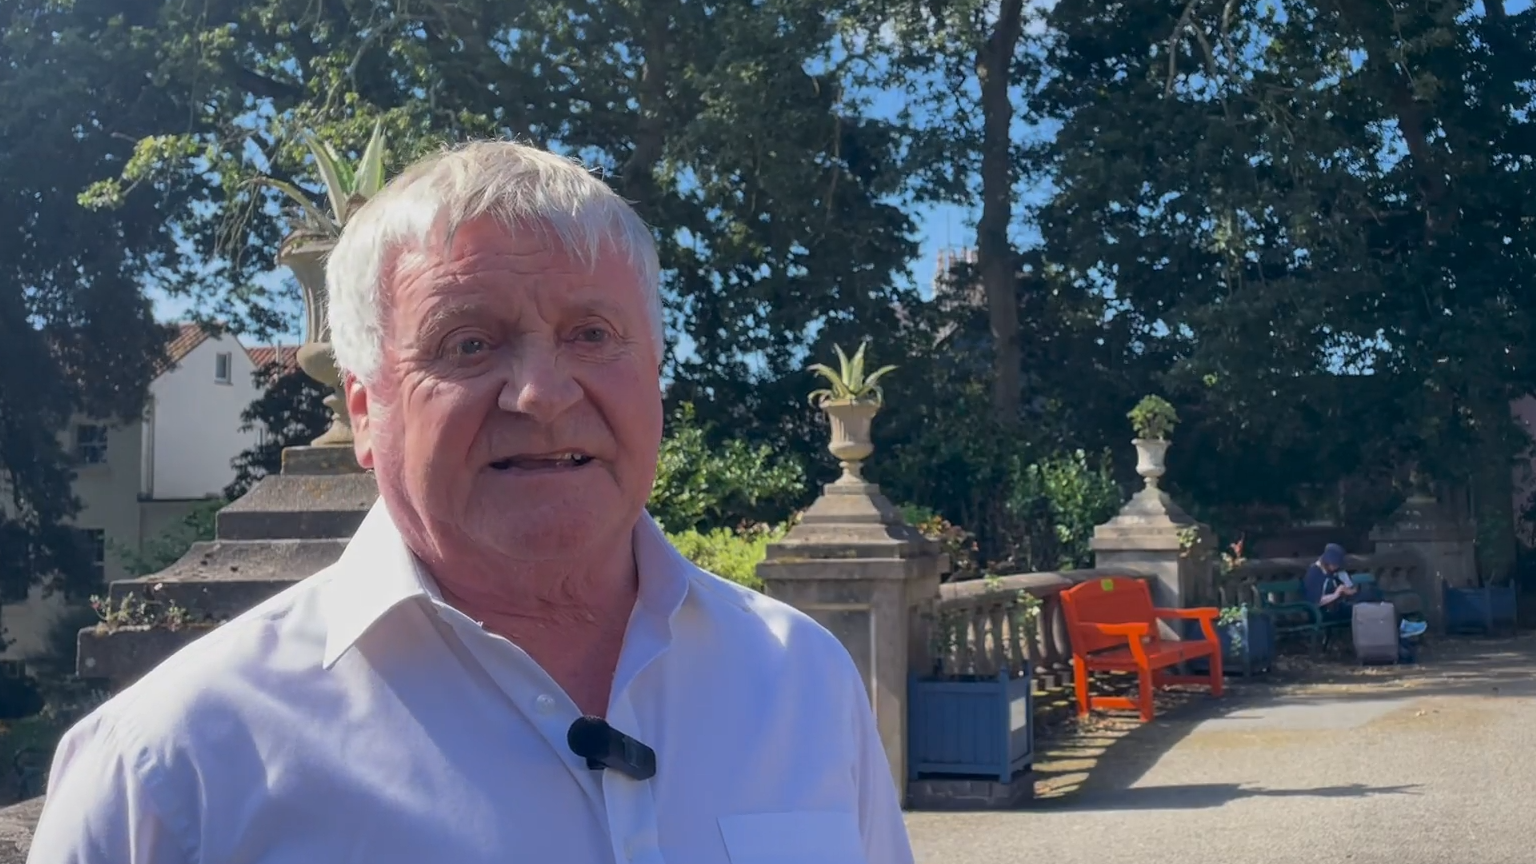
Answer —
91 444
223 368
95 541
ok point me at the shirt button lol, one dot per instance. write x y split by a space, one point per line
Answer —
545 703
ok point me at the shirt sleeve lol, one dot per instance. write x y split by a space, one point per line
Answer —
881 823
98 808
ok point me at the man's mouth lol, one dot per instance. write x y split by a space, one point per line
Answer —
542 461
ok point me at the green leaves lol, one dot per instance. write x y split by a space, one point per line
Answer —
346 186
703 485
848 382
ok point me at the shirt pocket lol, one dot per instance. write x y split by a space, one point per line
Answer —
798 837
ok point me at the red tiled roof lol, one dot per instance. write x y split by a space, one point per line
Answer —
187 338
287 356
284 355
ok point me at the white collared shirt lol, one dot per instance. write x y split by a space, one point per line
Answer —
355 717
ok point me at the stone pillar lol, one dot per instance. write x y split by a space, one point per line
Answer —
855 566
1153 535
1444 540
858 568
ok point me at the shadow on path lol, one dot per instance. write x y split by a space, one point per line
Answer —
1199 796
1096 764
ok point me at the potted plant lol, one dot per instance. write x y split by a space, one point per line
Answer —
963 725
347 187
1247 635
1153 421
851 400
1247 640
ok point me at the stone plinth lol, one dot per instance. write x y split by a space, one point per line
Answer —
17 822
972 793
1153 535
287 527
1444 539
856 567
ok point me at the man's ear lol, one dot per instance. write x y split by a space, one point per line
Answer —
356 395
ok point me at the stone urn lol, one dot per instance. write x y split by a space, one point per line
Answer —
304 254
851 442
1151 454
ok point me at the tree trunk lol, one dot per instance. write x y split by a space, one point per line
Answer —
994 252
635 179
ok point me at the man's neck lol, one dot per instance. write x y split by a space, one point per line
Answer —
569 618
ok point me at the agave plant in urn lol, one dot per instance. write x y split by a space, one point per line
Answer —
850 401
347 187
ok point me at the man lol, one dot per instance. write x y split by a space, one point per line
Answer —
496 310
1335 592
1327 586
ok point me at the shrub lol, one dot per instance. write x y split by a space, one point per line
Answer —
729 554
700 487
956 542
1058 501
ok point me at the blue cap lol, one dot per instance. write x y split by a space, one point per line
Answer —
1333 555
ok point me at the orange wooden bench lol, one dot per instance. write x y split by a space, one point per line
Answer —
1114 628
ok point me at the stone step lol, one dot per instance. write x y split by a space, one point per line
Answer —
123 655
221 579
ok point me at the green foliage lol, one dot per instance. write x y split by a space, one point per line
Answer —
1058 501
292 411
147 609
729 554
703 486
77 337
956 542
1153 419
165 549
848 381
1313 225
347 186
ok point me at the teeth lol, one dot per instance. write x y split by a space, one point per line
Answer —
572 459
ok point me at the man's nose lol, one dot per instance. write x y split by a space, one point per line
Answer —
538 384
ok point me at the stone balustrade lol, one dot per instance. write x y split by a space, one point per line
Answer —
982 627
1400 574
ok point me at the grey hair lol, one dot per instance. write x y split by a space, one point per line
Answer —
522 187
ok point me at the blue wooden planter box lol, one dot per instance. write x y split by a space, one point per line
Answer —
1480 610
1251 654
982 727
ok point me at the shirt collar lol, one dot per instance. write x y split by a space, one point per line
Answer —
377 573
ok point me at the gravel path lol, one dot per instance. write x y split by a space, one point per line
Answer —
1429 764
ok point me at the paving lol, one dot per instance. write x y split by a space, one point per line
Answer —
1434 763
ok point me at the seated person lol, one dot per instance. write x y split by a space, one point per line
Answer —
1328 586
1333 592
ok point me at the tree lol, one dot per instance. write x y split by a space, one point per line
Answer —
291 412
1317 225
962 66
77 337
729 125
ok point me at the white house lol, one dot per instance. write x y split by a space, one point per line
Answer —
136 480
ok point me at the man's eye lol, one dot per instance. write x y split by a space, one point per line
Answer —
592 335
469 347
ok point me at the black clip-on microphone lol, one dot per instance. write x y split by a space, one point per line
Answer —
603 746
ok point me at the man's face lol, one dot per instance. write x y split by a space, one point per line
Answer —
517 410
